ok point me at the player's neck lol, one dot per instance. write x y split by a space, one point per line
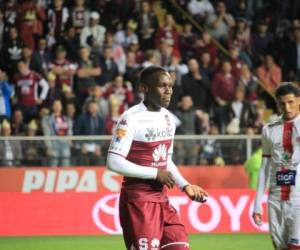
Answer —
151 106
291 119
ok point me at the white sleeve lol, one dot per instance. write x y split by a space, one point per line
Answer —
119 148
120 165
179 179
45 87
263 173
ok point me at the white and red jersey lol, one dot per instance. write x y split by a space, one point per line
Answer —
27 88
281 144
146 139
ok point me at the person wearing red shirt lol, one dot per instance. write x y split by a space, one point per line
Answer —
27 94
223 89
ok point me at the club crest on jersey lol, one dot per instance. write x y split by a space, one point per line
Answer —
120 133
153 133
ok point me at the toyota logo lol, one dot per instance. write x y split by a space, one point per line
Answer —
105 214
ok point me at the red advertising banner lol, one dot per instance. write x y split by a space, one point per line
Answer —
96 179
71 213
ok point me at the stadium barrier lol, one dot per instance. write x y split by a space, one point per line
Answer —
84 201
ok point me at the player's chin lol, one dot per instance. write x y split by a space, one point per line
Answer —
165 103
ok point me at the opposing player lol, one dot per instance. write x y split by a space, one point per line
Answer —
281 166
141 150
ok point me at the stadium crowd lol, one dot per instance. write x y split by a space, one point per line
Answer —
72 67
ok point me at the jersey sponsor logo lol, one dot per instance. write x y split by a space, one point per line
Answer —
286 178
120 133
153 133
159 155
123 122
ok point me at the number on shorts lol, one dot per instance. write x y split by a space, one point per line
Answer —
143 244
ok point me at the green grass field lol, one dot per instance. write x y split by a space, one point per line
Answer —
198 242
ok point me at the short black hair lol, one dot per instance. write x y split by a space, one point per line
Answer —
287 88
150 74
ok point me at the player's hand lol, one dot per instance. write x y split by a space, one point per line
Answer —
257 219
165 177
196 193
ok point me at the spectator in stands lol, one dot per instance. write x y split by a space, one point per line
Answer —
71 42
113 116
165 52
26 86
269 73
42 55
58 17
205 44
33 152
54 92
210 149
57 124
168 33
80 15
6 94
31 22
93 36
96 95
87 73
118 52
10 8
186 40
200 9
220 23
250 82
206 65
128 36
121 90
33 65
108 66
2 28
63 68
192 121
197 85
261 42
240 38
236 62
10 150
147 25
292 57
11 52
132 70
150 59
18 126
223 89
90 123
240 112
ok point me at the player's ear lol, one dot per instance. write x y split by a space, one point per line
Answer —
143 88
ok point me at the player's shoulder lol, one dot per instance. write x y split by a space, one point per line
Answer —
132 113
274 121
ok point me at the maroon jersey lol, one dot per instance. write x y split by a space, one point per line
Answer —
26 88
64 79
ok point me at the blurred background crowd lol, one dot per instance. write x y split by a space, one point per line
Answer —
71 67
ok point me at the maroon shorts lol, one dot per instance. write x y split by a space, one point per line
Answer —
152 226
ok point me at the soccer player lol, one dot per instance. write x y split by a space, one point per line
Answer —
281 166
141 150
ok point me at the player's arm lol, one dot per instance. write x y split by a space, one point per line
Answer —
194 192
262 179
